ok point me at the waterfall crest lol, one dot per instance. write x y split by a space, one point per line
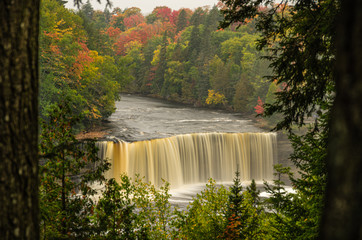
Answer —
194 158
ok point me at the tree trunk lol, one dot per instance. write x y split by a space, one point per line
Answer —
342 217
19 23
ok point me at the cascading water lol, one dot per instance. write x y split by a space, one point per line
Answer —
193 158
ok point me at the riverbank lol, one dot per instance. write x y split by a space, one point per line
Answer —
95 132
115 125
139 118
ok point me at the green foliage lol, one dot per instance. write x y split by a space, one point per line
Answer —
161 66
68 69
219 213
90 56
300 39
245 216
243 94
181 59
205 216
67 171
115 217
173 80
236 217
133 210
297 214
181 21
285 33
254 193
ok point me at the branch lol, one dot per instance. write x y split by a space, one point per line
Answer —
78 3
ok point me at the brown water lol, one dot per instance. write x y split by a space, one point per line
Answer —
186 145
194 158
141 118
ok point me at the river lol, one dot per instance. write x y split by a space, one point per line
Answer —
140 118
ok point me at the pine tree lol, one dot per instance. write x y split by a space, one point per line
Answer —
243 94
254 193
62 2
194 45
235 215
181 21
161 67
67 171
198 17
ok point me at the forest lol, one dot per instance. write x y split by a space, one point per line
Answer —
285 61
89 57
181 55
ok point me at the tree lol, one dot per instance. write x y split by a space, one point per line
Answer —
243 93
254 193
133 209
115 210
68 170
300 39
133 20
19 119
344 194
236 217
62 2
219 75
181 21
205 218
87 10
259 108
215 98
161 67
298 56
172 85
197 17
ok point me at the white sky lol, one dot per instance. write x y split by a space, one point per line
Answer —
148 5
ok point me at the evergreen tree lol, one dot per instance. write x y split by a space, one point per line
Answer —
212 19
254 193
236 217
203 84
107 15
87 10
67 172
194 46
86 13
197 17
243 94
161 67
207 50
244 215
309 87
63 2
181 23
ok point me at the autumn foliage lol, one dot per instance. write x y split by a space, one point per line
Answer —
259 109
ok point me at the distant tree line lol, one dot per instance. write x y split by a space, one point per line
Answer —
180 55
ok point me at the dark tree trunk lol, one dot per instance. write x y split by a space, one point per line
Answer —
342 217
19 21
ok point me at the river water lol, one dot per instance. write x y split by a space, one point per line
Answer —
141 118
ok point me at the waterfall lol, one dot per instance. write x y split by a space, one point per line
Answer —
194 158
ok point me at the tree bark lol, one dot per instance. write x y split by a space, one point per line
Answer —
19 23
342 217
